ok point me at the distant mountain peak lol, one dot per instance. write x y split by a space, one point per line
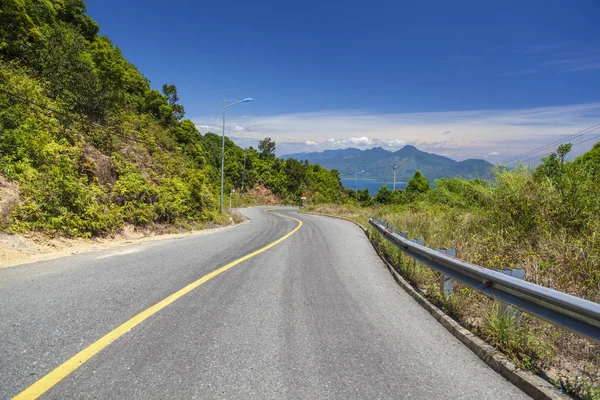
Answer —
408 149
376 163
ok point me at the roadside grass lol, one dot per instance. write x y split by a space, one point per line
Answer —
554 259
236 217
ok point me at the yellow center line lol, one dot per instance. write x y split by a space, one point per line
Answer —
59 373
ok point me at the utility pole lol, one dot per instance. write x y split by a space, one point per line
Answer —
222 156
356 182
394 177
356 185
243 174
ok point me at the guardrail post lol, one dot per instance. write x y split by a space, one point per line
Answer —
446 283
504 308
576 314
420 241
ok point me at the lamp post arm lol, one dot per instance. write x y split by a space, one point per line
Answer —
224 106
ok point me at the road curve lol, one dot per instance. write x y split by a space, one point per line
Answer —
316 316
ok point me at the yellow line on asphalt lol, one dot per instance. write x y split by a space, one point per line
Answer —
60 372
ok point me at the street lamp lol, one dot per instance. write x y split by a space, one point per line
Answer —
356 183
222 107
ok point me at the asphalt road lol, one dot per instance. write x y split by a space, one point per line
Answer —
316 316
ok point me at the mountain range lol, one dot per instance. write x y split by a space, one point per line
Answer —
377 164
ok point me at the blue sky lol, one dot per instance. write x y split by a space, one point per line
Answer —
460 78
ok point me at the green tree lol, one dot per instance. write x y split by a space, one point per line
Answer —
418 184
383 195
266 147
295 175
17 30
65 63
120 82
170 92
563 150
73 13
591 160
551 167
363 195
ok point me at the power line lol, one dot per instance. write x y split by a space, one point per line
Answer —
82 119
573 136
585 131
367 170
546 154
23 99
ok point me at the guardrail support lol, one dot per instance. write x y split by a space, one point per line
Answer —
446 283
420 241
573 313
503 308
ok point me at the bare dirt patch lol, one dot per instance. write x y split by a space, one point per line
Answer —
260 195
9 198
99 165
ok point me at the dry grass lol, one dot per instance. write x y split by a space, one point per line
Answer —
235 217
566 359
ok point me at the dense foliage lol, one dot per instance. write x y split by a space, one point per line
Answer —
287 179
94 147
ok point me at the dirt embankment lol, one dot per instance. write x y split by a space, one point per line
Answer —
18 249
259 194
31 247
9 198
26 248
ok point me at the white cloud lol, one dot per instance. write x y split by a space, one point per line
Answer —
507 132
360 141
494 153
522 72
394 143
584 67
207 128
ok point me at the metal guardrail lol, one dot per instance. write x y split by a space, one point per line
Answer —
570 312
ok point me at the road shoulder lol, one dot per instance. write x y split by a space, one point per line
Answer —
23 249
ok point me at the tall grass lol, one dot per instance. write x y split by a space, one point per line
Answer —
546 222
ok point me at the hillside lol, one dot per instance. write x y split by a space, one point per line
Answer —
408 159
92 147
